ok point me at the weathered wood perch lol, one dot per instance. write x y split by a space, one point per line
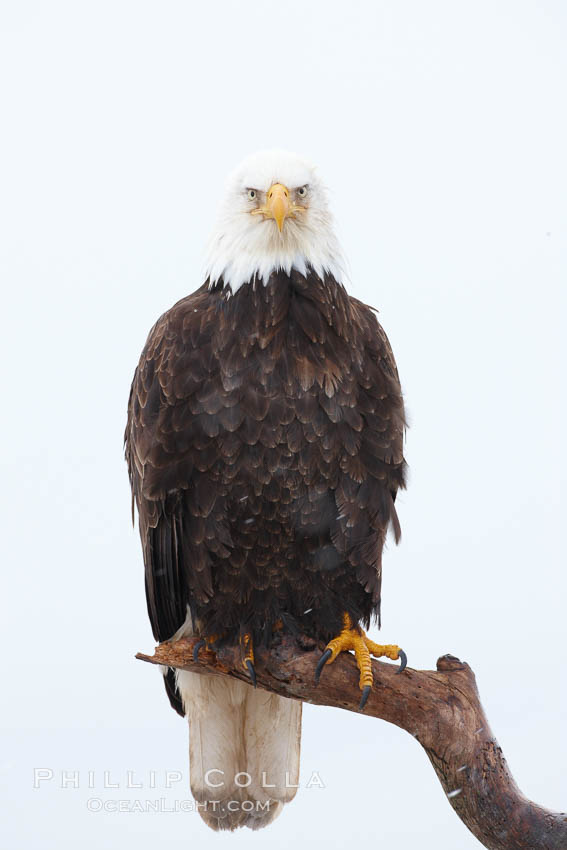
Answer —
440 709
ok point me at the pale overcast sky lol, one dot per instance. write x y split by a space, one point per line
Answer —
440 130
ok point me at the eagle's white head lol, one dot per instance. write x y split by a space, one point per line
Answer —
274 216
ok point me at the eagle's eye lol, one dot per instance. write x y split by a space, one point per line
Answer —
251 194
302 191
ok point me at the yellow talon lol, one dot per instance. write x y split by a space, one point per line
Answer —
248 647
353 638
248 655
205 642
380 650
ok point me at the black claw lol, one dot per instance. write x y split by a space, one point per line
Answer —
196 648
365 691
322 661
251 671
403 661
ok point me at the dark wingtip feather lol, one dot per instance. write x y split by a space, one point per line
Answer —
172 692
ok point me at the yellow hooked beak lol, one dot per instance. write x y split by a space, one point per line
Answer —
278 205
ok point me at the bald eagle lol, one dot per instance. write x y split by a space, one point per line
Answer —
265 449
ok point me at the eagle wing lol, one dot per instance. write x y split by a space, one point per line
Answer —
162 440
374 472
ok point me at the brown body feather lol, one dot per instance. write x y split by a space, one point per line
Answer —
264 445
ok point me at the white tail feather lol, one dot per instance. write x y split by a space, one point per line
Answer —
246 739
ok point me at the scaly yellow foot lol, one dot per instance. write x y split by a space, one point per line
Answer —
208 641
353 638
245 644
248 655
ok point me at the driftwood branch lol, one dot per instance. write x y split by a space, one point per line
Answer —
441 709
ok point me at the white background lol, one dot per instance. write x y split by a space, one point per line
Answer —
440 129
